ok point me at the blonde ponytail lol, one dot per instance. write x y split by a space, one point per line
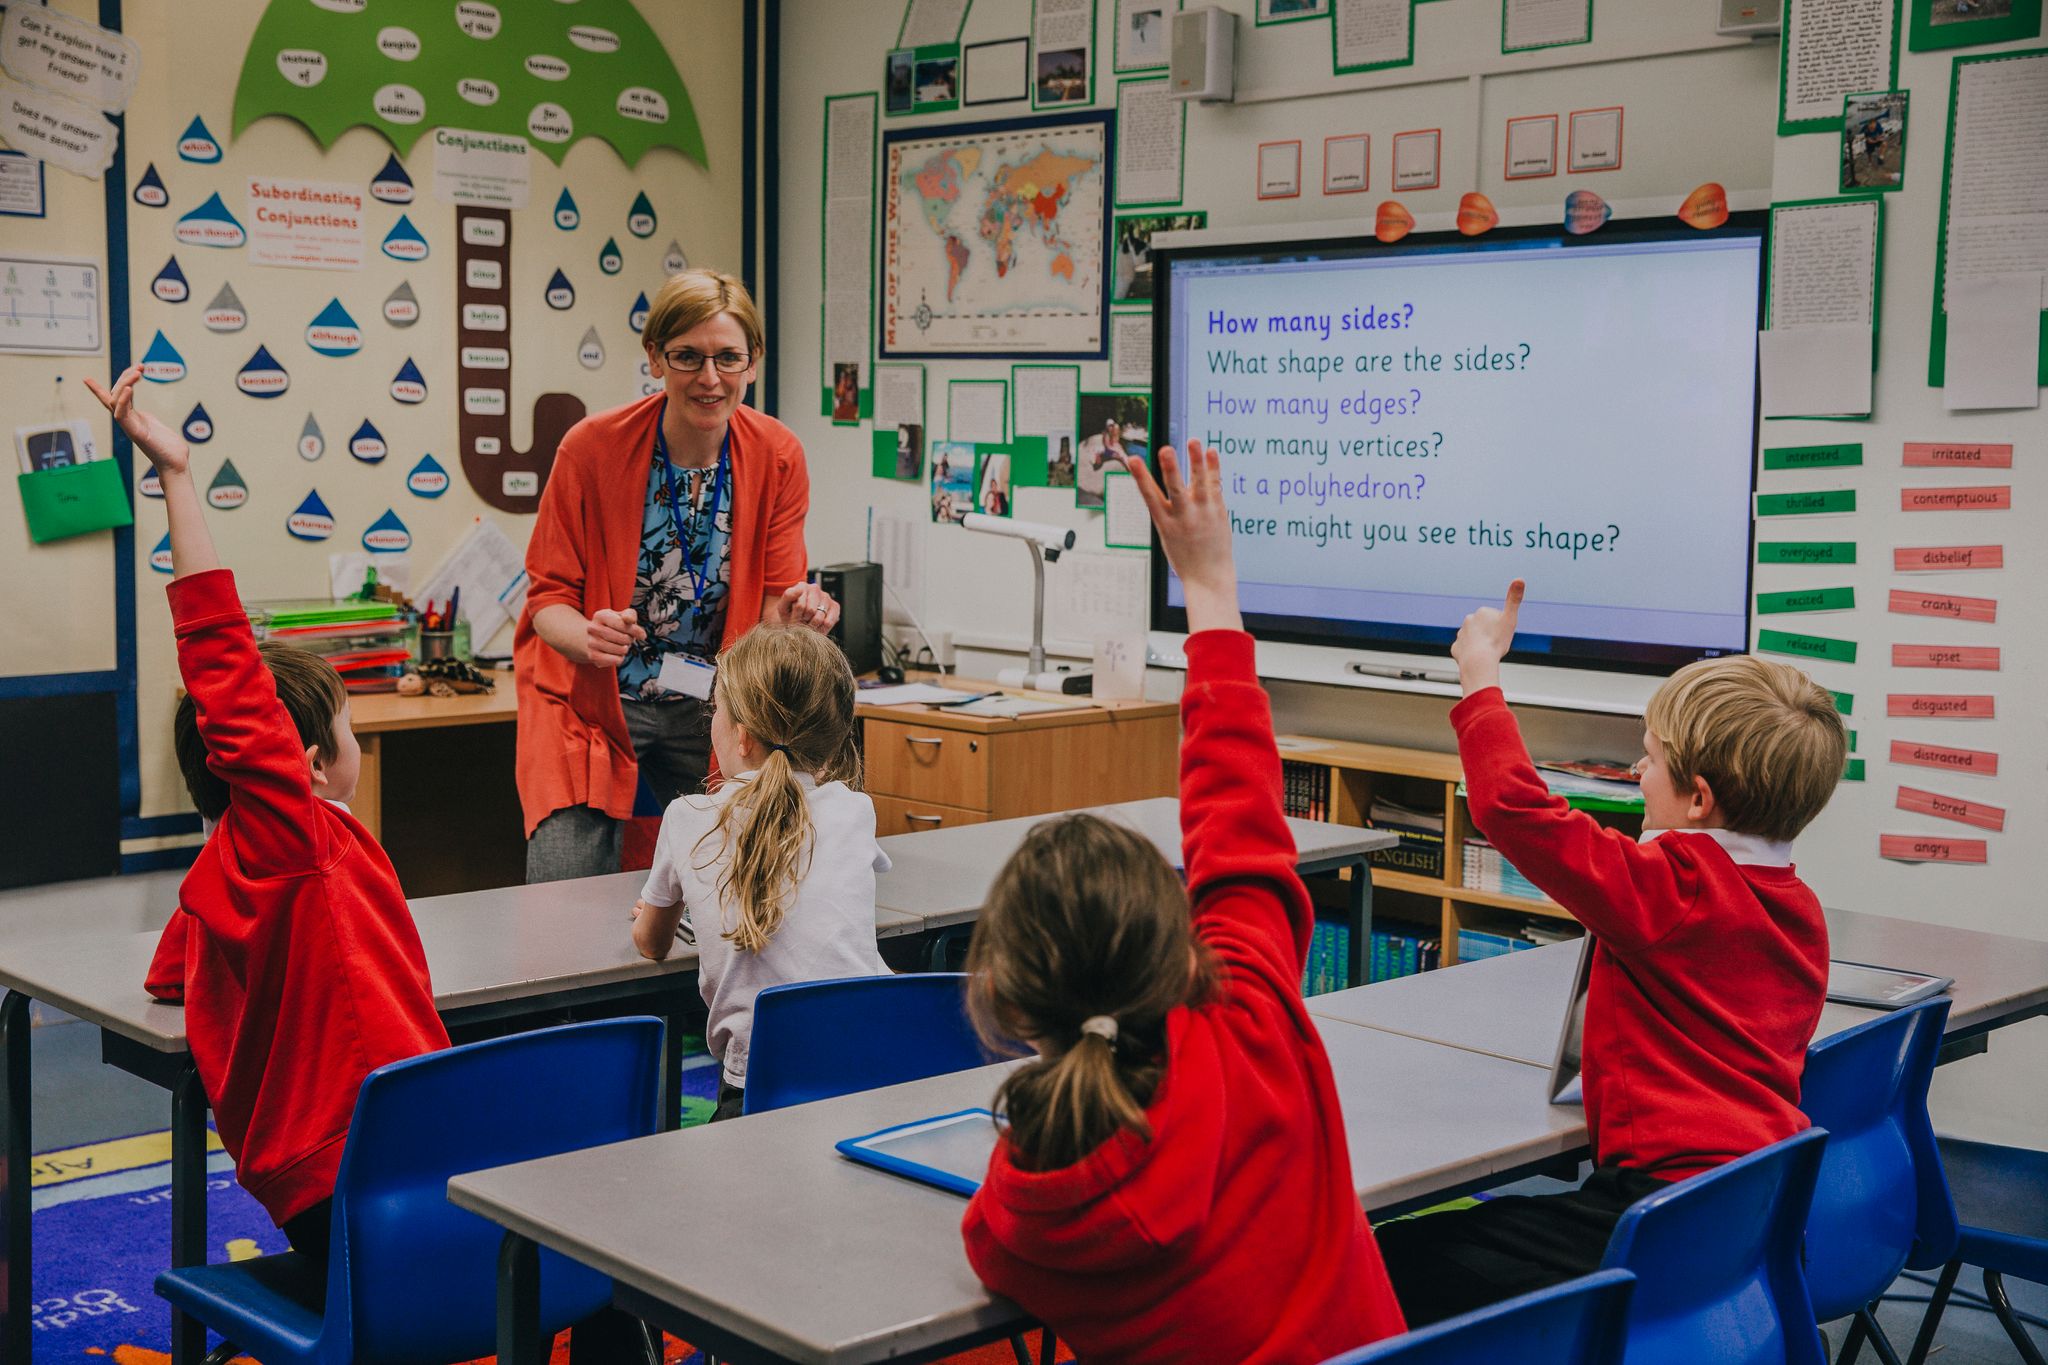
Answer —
789 689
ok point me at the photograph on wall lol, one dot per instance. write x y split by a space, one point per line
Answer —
992 485
953 472
1113 425
1286 11
1131 280
1059 465
1143 30
1936 24
845 392
1874 141
909 451
995 239
1063 77
898 91
935 81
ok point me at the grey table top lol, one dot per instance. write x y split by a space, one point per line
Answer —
883 1272
483 948
942 876
1513 1006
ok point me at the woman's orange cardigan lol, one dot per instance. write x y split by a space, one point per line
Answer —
573 746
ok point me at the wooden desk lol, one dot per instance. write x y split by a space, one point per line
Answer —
930 769
437 788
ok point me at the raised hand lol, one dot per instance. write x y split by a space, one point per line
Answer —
609 634
1485 637
154 437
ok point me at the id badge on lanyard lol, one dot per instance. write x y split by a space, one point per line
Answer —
685 673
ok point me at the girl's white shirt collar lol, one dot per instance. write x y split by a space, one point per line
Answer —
1747 850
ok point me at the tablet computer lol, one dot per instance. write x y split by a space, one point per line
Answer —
1565 1085
950 1151
1881 988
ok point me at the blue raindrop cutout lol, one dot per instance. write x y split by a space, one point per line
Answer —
368 444
150 191
640 220
149 485
334 332
170 283
263 377
566 214
561 294
609 260
161 363
392 184
403 242
211 224
427 479
197 144
409 385
637 318
198 426
387 535
311 520
160 557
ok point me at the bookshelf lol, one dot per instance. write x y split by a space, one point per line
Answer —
1420 885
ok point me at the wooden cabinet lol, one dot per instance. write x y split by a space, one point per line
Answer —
931 769
1340 781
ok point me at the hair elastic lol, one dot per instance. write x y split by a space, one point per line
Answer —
1101 1026
782 749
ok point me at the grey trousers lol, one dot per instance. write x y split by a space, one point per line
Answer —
672 740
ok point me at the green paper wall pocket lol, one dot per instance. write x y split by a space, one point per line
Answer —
73 500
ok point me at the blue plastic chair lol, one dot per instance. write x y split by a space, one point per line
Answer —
1716 1260
411 1279
818 1039
2001 1196
1880 1204
1579 1322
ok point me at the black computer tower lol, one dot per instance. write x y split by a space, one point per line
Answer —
857 587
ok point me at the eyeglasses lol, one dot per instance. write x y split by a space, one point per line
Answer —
690 362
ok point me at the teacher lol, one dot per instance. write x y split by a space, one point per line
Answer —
668 529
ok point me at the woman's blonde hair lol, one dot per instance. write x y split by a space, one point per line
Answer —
791 690
688 297
1766 737
1085 920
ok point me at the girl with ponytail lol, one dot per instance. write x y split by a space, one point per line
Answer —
776 865
1173 1183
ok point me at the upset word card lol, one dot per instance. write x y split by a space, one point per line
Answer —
1957 808
1940 706
1926 848
1946 558
1905 602
1944 454
1982 657
1911 753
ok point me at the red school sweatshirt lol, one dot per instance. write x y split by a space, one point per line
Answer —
1708 975
1235 1233
292 949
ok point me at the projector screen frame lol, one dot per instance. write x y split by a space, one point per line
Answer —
1433 642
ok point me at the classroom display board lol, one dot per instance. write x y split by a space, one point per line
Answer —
1405 428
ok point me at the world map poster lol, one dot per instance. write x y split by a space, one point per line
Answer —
995 239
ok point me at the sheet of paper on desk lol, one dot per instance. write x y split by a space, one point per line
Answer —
491 572
1994 343
1009 707
905 693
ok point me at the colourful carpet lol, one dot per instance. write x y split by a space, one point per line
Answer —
102 1232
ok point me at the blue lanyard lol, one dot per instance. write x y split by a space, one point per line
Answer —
700 573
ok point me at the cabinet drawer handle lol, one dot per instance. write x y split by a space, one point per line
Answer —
913 739
926 819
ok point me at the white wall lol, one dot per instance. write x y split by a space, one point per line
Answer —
1698 109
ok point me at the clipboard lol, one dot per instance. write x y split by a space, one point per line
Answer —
949 1151
1881 988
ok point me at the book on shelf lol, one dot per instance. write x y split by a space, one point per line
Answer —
1475 944
1329 958
1421 832
1304 789
1397 954
1589 793
1487 870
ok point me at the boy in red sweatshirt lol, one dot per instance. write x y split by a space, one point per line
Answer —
1710 956
292 949
1174 1184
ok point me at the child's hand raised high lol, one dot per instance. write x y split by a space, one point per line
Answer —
165 448
1484 638
1194 526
